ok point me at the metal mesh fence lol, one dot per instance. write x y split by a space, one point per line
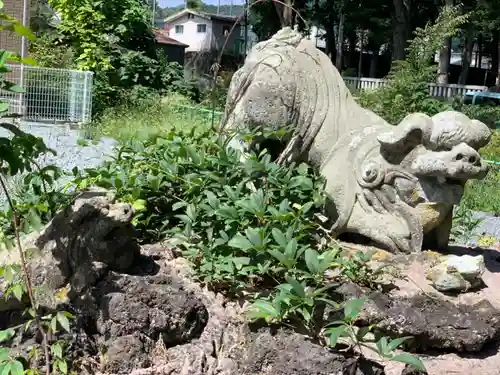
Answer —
59 95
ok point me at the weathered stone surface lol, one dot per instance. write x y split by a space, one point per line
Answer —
409 370
435 323
457 273
87 261
394 185
126 353
77 247
292 354
156 306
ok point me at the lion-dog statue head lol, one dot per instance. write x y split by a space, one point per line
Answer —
397 185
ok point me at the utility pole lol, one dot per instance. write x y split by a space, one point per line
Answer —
153 21
246 27
218 7
24 47
231 8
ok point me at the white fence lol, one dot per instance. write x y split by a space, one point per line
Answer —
56 95
437 90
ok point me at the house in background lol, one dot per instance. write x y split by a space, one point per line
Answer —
173 50
205 32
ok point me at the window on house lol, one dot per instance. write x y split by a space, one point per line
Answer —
202 28
190 16
179 29
225 30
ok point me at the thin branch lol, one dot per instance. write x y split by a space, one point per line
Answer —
27 278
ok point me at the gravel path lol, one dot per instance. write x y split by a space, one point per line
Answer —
490 224
64 140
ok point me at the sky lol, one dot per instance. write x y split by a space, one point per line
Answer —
173 3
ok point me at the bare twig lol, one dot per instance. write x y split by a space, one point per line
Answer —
26 275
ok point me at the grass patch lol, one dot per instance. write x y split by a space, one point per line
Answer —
483 195
150 117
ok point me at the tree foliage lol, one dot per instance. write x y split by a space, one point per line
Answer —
115 40
407 88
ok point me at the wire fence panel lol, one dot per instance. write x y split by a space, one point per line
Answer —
58 95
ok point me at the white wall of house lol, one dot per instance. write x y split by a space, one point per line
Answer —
186 29
188 32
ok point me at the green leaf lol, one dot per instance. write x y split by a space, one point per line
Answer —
306 207
262 310
62 365
4 106
335 333
63 321
291 248
212 200
191 212
241 261
56 350
228 213
410 360
240 242
289 263
193 155
353 307
7 368
297 287
382 346
253 236
4 354
394 344
12 87
16 368
178 205
312 261
6 334
362 332
18 291
279 237
139 205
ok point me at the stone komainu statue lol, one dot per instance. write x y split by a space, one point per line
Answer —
395 185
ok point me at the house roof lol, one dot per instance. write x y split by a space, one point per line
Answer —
163 38
208 16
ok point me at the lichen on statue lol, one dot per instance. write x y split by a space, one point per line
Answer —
395 185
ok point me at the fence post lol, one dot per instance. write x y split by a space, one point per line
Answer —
72 95
85 102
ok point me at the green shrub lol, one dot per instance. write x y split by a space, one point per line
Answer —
407 88
250 228
490 115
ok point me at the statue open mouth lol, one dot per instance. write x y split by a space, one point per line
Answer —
451 181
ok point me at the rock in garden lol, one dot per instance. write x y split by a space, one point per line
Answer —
156 306
457 273
287 353
125 353
77 247
439 324
435 323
